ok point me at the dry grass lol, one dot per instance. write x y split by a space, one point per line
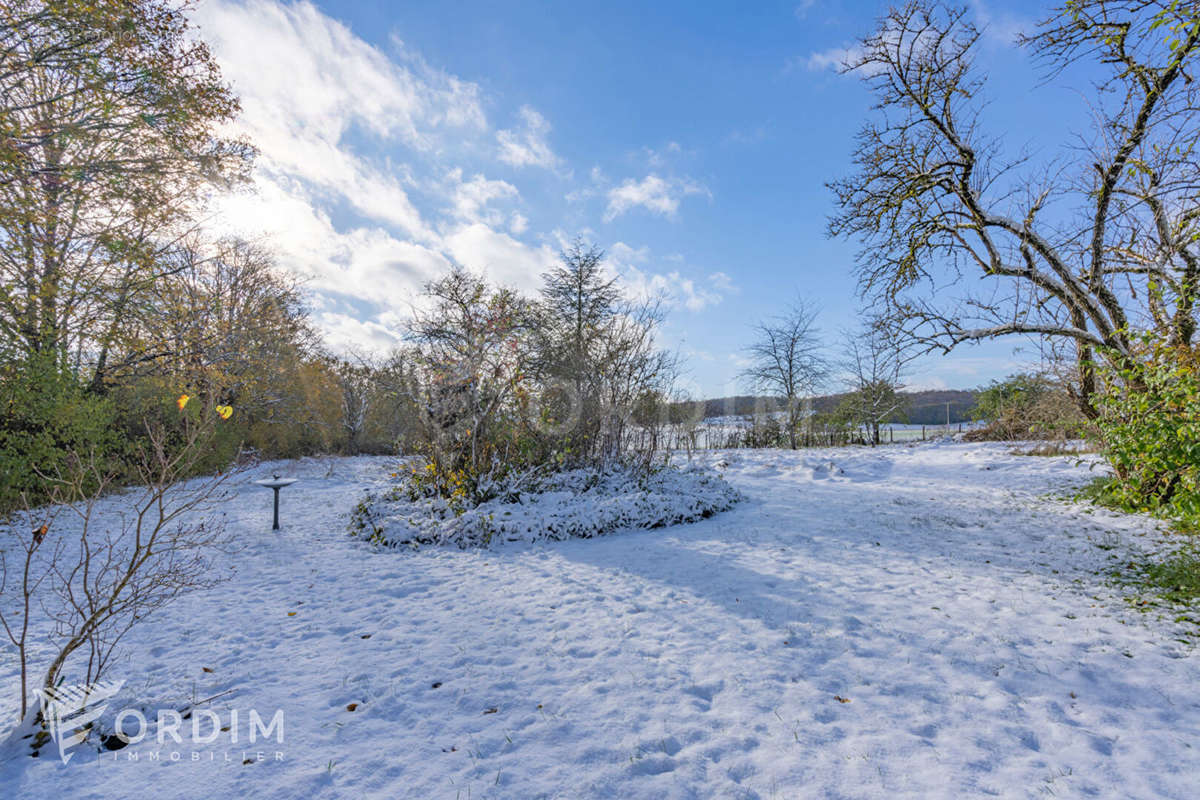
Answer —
1062 448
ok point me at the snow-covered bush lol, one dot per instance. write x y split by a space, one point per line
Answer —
535 504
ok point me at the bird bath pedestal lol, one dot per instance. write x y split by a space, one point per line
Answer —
275 482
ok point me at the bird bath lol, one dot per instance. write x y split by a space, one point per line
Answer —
275 482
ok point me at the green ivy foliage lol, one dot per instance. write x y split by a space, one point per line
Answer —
1150 423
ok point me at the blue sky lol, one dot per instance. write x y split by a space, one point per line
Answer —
690 140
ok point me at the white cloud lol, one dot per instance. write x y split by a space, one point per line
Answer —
673 288
365 262
656 194
722 282
346 334
925 383
360 186
471 197
1003 27
801 10
309 87
676 290
835 58
526 146
658 158
999 28
502 258
739 360
333 79
373 173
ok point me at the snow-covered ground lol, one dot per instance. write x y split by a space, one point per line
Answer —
922 621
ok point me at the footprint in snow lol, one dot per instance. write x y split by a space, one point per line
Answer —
653 766
704 693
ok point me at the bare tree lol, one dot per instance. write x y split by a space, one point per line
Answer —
355 378
786 361
393 405
473 353
85 569
1083 250
630 366
874 362
555 380
223 320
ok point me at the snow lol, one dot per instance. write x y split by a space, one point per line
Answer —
948 591
531 506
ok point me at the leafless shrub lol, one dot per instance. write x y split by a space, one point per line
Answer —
80 573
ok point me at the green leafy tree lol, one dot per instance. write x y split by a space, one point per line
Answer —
108 134
1027 405
45 417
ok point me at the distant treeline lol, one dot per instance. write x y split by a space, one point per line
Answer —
923 408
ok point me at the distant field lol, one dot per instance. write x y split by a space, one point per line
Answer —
928 408
728 431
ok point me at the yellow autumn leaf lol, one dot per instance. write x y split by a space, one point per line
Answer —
182 401
225 412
